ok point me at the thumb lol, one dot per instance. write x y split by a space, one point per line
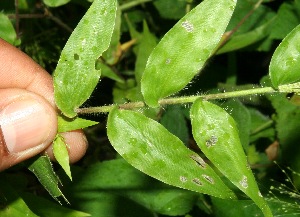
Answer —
28 125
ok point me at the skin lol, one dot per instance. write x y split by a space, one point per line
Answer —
23 79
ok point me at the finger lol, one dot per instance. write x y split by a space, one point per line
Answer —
76 143
28 124
20 71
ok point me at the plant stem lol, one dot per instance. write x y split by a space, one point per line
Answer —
179 100
132 4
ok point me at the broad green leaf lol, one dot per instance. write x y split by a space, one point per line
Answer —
152 149
42 168
117 177
75 76
284 67
68 124
11 204
46 208
216 134
55 3
61 154
7 31
183 51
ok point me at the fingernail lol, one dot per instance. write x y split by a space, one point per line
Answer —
24 124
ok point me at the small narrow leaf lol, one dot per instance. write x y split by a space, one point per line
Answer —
284 67
68 124
42 168
217 136
75 76
152 149
61 154
183 51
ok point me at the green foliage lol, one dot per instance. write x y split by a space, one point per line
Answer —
172 65
60 151
42 168
284 66
178 160
146 150
217 136
87 42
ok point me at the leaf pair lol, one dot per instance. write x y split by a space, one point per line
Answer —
149 147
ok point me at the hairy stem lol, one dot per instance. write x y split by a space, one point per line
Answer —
179 100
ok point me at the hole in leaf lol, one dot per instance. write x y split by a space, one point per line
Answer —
76 56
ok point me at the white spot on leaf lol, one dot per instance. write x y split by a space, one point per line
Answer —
197 181
209 179
168 61
244 182
183 179
198 160
188 26
212 141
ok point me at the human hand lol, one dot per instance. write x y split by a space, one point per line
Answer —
28 115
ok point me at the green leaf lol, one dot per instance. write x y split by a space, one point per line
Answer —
11 204
111 54
174 120
75 76
7 31
68 124
247 208
46 208
288 17
167 10
107 71
242 117
117 177
61 154
145 47
42 168
183 51
284 67
152 149
243 40
55 3
217 136
288 128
